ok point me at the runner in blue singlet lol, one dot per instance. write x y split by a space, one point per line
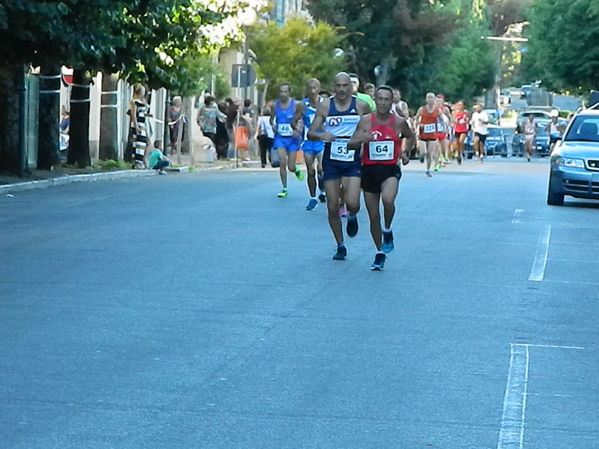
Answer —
286 141
312 149
335 122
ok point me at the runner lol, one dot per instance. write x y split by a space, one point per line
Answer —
530 132
335 122
443 123
480 128
379 137
426 123
355 84
286 141
312 149
399 107
460 120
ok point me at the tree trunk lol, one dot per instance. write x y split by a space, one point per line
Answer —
79 130
187 111
109 118
48 147
10 113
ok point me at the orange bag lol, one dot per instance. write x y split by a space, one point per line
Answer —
242 138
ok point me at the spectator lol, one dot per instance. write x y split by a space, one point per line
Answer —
222 136
265 136
156 159
208 115
138 108
175 119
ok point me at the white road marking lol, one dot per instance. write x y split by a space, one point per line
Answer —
517 214
511 434
537 273
548 346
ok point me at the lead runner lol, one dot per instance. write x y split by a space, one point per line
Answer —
379 135
335 122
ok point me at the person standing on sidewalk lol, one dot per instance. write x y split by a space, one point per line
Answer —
286 141
378 136
334 124
312 149
265 135
138 108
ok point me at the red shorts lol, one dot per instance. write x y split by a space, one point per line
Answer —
441 136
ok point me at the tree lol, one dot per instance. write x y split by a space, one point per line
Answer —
561 48
296 52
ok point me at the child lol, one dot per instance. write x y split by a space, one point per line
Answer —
157 160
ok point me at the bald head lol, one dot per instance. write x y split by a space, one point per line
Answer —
342 76
343 88
313 88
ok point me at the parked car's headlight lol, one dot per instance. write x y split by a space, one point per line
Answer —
570 162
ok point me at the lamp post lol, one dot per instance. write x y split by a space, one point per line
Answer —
247 17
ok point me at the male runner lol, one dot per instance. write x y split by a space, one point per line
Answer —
480 127
286 141
461 119
312 149
335 122
379 137
426 123
355 85
443 124
399 107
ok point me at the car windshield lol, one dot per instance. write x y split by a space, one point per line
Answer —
585 129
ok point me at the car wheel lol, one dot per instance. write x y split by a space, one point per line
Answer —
554 198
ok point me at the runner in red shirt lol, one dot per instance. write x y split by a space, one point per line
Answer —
461 118
426 124
379 136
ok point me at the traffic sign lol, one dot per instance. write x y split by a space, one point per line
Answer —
243 75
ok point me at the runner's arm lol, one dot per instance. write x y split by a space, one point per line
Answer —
300 110
404 130
363 107
361 134
316 131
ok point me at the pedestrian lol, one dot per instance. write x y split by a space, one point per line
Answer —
265 136
157 160
207 117
138 108
312 149
176 122
379 138
426 124
480 128
287 139
530 131
334 123
222 135
461 120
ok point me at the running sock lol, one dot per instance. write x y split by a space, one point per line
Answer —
386 229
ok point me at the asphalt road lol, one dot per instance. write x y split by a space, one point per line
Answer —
201 311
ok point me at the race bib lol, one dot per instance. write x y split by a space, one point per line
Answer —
429 128
285 130
381 151
340 152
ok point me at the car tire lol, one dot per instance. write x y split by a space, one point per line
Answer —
554 198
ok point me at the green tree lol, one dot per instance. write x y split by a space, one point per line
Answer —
562 48
294 53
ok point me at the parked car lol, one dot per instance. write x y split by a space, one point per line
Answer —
494 116
495 144
526 90
575 160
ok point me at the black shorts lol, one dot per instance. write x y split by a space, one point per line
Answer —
481 137
373 176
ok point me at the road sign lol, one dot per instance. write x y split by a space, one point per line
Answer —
242 75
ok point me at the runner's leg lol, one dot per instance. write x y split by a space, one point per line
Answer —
311 173
283 166
332 188
389 190
374 216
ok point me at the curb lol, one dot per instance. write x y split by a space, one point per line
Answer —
69 179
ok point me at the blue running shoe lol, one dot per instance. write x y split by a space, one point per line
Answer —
352 226
341 253
387 245
379 262
312 204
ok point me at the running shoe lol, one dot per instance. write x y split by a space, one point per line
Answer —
282 194
459 161
422 159
341 253
312 204
352 226
342 211
299 174
322 197
379 262
437 167
429 174
387 245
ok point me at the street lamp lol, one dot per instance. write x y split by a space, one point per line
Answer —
247 17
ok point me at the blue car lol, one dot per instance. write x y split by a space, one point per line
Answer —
495 144
575 160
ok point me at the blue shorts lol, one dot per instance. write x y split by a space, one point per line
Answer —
338 170
312 146
291 144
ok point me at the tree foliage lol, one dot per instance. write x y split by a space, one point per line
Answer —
562 49
295 52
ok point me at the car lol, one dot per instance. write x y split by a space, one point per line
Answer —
541 144
495 144
575 160
526 90
494 116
